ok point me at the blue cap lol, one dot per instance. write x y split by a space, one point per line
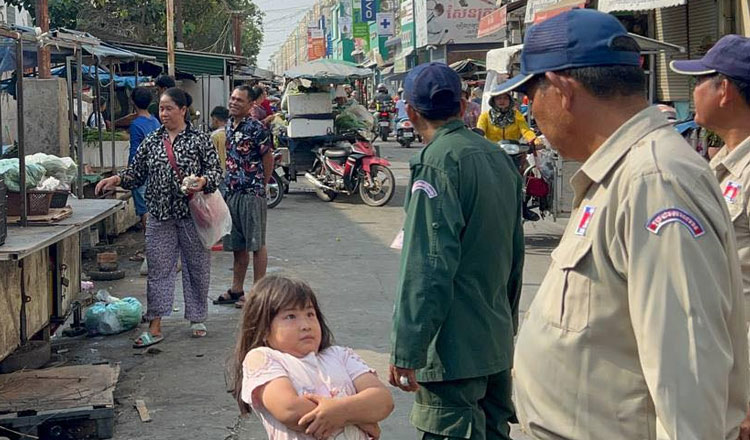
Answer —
729 56
575 38
434 90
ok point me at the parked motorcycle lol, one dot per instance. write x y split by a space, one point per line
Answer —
349 164
404 132
278 185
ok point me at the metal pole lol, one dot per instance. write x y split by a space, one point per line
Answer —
71 131
112 109
170 38
21 146
203 100
97 109
136 73
79 150
209 90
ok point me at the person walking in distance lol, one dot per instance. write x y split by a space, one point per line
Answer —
248 171
456 306
722 105
638 329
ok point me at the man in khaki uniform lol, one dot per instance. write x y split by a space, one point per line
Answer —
637 331
722 104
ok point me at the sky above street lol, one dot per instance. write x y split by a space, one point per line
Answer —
280 19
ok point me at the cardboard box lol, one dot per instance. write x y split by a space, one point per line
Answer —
310 104
309 127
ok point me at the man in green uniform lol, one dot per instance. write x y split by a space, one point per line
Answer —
461 265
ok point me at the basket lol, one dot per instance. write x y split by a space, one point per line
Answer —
3 212
37 203
59 199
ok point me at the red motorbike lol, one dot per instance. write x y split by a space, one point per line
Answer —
349 163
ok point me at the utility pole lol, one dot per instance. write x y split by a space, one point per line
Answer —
170 38
179 37
237 32
43 57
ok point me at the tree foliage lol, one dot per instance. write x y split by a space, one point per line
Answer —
206 23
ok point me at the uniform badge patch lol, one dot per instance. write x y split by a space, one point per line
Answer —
421 185
731 191
586 216
671 215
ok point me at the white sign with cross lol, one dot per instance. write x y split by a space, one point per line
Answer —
385 24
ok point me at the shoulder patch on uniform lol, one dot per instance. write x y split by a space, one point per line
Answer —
421 185
671 215
731 191
587 213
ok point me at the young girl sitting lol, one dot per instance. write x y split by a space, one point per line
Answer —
298 383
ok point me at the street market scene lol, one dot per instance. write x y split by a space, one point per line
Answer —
374 219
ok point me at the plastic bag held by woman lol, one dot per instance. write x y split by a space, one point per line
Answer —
211 216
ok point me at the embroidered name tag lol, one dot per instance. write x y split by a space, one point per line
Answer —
586 216
421 185
732 191
672 215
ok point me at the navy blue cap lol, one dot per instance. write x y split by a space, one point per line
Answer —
729 56
575 38
434 90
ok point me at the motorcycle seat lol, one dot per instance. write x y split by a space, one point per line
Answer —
336 153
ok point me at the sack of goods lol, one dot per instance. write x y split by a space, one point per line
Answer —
111 315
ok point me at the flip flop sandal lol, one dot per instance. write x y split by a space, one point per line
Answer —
146 340
198 330
239 304
233 297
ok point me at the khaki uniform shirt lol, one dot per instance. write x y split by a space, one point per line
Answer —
733 171
637 331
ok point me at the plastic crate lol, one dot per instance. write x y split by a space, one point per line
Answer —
59 199
3 212
37 203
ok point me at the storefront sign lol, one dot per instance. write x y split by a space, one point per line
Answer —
637 5
368 10
557 9
441 22
489 24
316 43
386 24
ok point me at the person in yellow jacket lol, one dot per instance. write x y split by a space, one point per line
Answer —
503 122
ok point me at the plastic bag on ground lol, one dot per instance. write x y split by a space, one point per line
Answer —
116 317
211 216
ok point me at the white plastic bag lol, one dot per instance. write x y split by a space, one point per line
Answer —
211 216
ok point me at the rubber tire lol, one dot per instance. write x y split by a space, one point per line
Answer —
272 203
98 275
363 194
384 136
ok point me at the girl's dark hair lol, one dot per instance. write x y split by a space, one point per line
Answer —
256 93
267 298
178 96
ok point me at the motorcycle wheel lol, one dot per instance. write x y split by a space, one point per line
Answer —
406 144
275 191
384 136
323 194
384 186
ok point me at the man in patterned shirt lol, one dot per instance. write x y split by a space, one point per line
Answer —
249 165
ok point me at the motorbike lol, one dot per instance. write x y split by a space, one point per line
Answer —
404 132
536 189
383 119
347 164
278 185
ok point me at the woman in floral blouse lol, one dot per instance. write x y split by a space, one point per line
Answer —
170 231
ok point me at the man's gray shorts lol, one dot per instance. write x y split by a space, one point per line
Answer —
248 222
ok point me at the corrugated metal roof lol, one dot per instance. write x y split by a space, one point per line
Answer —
193 62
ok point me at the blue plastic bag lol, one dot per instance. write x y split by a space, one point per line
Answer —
116 317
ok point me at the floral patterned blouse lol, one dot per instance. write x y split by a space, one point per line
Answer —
194 154
246 146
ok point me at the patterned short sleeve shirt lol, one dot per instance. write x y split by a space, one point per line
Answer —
246 145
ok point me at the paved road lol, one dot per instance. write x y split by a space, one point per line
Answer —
341 249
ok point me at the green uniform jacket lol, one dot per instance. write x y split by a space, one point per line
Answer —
456 307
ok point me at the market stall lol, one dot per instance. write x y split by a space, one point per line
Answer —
40 257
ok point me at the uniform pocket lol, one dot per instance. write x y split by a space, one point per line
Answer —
454 422
735 211
572 310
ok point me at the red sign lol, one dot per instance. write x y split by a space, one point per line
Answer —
558 9
491 23
316 44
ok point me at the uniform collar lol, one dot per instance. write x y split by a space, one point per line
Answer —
447 128
734 161
606 157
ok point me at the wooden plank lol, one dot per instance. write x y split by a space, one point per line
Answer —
22 242
10 307
58 388
71 258
37 278
87 212
55 215
140 405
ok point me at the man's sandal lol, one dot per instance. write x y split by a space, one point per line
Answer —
146 339
229 297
